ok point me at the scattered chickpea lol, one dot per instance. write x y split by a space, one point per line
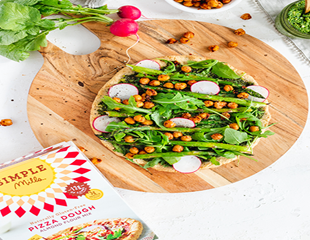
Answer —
234 126
171 41
177 134
148 105
168 85
186 69
232 44
254 129
139 118
243 95
232 105
191 82
95 160
213 48
140 104
180 86
147 122
204 115
129 139
184 40
134 150
226 115
151 92
169 135
169 124
129 155
186 115
177 148
163 77
149 149
142 152
246 16
82 149
208 103
216 136
219 105
144 80
228 88
137 98
189 35
239 32
154 83
126 102
129 120
186 138
196 119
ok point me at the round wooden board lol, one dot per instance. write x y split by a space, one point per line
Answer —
62 93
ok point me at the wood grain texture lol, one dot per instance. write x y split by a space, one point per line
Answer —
61 95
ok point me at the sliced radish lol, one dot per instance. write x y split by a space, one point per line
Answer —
149 64
183 122
123 91
100 123
187 164
205 87
261 90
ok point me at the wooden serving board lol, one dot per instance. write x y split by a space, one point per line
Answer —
62 93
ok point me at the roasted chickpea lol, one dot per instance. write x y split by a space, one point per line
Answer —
137 98
147 122
226 115
205 6
186 138
188 4
117 99
186 115
126 102
208 103
186 69
216 136
129 155
184 39
177 134
189 35
140 104
226 1
219 105
171 41
169 135
246 16
148 105
220 5
243 95
180 86
134 150
196 4
239 32
149 149
144 80
139 118
82 149
196 119
142 152
129 120
177 148
154 83
228 88
95 160
204 115
151 92
169 124
243 119
232 44
234 126
143 95
129 139
168 85
254 129
213 48
163 77
179 1
232 105
191 82
213 3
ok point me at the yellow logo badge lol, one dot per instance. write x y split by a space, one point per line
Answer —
94 194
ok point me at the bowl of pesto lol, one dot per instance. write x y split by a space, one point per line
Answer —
293 21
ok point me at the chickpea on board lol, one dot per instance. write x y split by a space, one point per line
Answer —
6 122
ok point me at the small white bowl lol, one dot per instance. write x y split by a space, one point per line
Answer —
203 11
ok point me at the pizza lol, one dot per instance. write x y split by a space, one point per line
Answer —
173 113
103 229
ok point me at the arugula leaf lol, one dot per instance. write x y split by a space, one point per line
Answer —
158 119
152 163
265 134
235 137
115 235
119 136
144 70
170 66
202 64
80 237
113 126
223 71
214 161
224 153
172 160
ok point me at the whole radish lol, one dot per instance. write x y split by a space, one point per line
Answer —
129 12
124 27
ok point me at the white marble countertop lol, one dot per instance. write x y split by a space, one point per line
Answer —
272 204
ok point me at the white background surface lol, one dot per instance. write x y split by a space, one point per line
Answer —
271 205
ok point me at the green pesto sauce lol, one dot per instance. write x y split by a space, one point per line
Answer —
298 19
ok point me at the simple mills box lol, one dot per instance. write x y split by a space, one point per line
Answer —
58 194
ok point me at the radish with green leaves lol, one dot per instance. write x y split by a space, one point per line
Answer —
129 12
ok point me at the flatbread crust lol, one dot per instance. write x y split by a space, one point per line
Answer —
183 60
136 228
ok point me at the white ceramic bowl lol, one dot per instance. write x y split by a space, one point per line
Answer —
203 11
